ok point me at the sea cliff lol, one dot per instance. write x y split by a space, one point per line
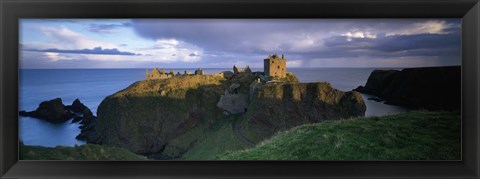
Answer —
170 118
431 88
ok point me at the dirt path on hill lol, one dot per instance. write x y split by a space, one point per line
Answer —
236 130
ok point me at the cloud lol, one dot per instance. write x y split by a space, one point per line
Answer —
224 42
263 36
64 38
397 45
107 28
96 50
166 43
427 27
55 56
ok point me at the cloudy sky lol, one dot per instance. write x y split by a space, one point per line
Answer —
222 43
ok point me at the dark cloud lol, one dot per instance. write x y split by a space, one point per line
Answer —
264 35
122 45
107 28
394 46
94 51
193 55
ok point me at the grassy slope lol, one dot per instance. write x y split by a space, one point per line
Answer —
407 136
206 143
82 152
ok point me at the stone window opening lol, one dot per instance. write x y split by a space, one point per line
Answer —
278 67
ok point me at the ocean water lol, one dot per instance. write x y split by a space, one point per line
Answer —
91 86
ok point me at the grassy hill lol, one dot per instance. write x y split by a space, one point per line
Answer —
82 152
203 143
408 136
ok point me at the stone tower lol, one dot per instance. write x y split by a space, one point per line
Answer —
275 66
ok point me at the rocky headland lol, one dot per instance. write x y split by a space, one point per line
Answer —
152 116
431 88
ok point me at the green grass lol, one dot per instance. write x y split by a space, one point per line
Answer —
408 136
206 142
82 152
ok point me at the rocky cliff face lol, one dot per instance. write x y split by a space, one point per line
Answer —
278 107
145 116
432 88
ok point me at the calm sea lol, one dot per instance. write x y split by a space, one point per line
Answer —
91 86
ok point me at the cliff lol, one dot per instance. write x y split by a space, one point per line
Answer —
180 117
278 107
432 88
146 115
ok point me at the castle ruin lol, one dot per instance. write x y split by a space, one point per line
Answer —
158 74
275 66
238 70
162 73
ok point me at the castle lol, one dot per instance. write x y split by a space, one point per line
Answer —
162 74
275 67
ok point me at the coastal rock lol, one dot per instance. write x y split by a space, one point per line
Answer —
277 107
431 88
56 112
52 111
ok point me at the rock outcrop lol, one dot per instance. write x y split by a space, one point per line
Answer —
278 107
56 112
232 101
431 88
145 116
52 111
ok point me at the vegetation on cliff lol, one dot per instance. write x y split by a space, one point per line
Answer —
82 152
408 136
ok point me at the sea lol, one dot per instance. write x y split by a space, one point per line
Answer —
91 86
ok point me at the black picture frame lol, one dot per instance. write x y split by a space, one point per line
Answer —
12 10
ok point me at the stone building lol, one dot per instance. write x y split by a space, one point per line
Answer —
158 74
199 71
275 66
